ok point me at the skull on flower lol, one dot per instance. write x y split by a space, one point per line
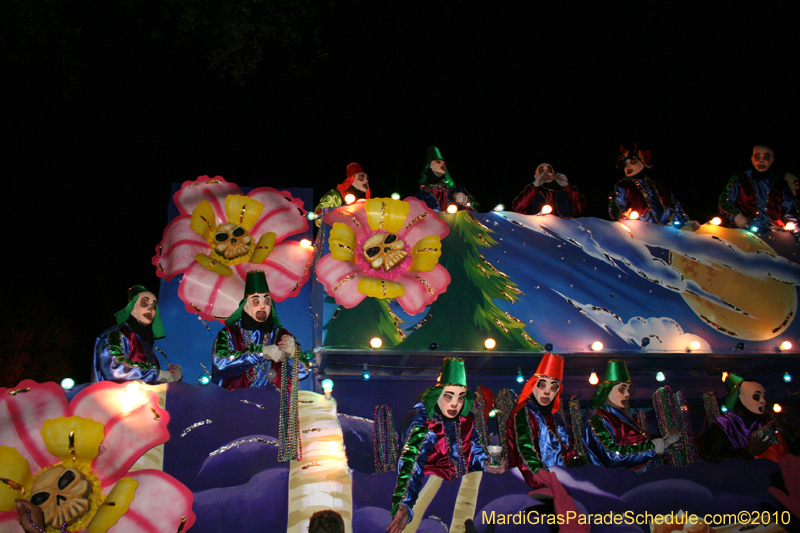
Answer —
73 459
385 248
221 234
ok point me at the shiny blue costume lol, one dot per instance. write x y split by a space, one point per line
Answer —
424 440
121 355
652 201
613 439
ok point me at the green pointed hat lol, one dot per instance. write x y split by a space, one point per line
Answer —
124 314
616 373
454 374
255 283
733 383
431 154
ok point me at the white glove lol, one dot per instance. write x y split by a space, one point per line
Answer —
287 344
537 181
660 447
164 376
272 352
561 179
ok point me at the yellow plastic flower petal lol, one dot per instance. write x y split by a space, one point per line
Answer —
203 220
426 254
15 475
73 437
380 288
342 242
115 505
213 266
243 210
264 247
386 214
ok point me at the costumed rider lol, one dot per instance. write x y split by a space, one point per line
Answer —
760 196
125 352
356 183
746 431
553 189
612 436
638 196
538 438
437 188
439 437
253 349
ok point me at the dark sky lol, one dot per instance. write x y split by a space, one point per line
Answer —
90 151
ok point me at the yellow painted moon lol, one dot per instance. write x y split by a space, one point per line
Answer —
771 304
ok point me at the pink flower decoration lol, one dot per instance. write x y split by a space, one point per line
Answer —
415 281
214 286
131 422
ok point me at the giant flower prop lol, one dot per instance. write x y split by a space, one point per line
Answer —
385 248
72 459
221 235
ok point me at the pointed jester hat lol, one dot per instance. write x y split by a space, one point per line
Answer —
734 385
616 373
124 314
432 154
551 367
453 374
255 283
630 151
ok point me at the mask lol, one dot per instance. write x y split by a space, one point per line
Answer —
361 182
439 167
546 391
545 172
451 402
619 395
751 394
762 158
258 306
144 310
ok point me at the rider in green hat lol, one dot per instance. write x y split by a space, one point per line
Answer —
612 436
437 188
125 352
442 420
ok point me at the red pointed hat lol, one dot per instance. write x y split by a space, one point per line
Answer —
551 367
353 169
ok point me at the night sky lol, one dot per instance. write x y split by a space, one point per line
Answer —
91 147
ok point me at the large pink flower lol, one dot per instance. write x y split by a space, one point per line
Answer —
385 248
72 459
222 234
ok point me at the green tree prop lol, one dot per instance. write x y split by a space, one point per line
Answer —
353 328
465 316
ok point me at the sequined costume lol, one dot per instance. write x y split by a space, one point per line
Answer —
652 201
120 354
763 197
614 440
728 436
238 359
439 195
448 448
566 201
538 439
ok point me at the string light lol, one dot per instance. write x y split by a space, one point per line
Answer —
676 223
787 377
67 383
597 346
786 345
305 243
520 377
452 208
365 374
311 215
790 226
333 446
724 376
376 342
695 345
489 343
777 408
634 215
724 409
754 229
204 379
493 413
716 221
593 379
395 196
350 198
499 207
547 209
327 387
660 376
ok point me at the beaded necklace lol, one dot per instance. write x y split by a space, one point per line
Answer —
460 466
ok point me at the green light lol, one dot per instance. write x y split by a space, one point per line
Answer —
67 383
204 379
395 196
